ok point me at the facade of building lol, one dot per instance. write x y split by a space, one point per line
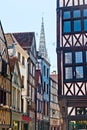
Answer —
44 67
55 115
16 94
28 43
5 84
72 62
39 100
43 63
46 94
15 50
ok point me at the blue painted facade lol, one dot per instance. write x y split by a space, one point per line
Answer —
46 91
44 66
45 78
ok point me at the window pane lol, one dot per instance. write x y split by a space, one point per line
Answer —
68 73
85 24
86 56
86 70
79 72
77 25
68 58
67 26
76 13
78 57
85 12
66 15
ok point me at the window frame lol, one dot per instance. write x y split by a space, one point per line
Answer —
74 65
73 19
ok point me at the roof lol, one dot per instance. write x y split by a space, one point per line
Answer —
54 77
24 38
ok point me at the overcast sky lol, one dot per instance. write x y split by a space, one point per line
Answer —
26 16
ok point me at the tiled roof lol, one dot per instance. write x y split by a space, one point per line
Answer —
54 77
24 38
12 61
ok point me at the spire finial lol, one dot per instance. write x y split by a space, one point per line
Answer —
42 17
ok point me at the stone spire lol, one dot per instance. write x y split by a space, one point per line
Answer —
42 44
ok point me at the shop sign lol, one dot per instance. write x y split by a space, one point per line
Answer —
26 118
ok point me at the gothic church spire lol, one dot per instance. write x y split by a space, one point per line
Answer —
42 44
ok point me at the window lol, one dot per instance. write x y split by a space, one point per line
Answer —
30 90
77 25
22 104
3 97
47 108
78 57
66 15
47 72
85 12
76 69
33 70
79 72
31 66
37 105
68 58
86 56
44 70
22 81
67 26
85 24
76 13
44 108
33 94
18 99
4 67
23 60
74 21
19 56
15 78
47 88
44 86
68 73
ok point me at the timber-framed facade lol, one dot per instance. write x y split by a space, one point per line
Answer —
5 84
72 61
